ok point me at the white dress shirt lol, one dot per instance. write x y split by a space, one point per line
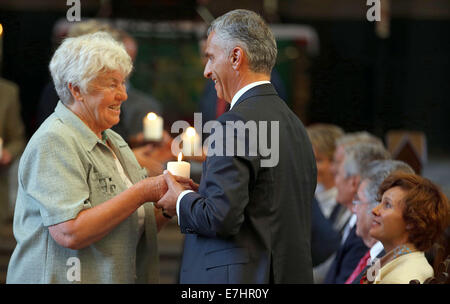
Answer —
327 200
375 250
351 223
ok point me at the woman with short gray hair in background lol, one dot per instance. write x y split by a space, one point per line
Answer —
81 213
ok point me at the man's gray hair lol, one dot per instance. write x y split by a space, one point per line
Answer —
248 30
79 60
358 156
377 171
358 137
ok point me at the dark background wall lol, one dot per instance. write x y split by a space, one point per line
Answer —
360 81
357 81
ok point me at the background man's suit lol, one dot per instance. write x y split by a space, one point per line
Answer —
324 239
247 223
347 258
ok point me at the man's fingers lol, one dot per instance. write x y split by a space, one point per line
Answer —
162 202
194 185
186 182
182 179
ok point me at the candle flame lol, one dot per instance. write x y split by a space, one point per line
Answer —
190 132
151 116
180 156
1 29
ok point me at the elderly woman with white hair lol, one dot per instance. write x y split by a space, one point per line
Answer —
81 214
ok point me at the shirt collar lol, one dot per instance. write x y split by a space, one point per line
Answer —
352 221
245 89
375 250
327 195
69 118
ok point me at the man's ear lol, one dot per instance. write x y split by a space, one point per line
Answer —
237 57
76 92
355 182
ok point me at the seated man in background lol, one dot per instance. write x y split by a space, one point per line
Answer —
340 214
365 201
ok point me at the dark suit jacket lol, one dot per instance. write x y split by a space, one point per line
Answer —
248 223
324 239
347 258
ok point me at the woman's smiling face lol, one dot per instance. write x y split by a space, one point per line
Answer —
388 225
103 99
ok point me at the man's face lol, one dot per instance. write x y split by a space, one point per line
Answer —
362 211
218 68
346 186
338 158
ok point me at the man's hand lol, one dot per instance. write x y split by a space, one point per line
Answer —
169 201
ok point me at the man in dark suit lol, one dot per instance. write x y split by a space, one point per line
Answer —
250 221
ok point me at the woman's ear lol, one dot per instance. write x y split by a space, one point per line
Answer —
76 92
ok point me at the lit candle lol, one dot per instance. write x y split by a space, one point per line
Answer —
153 127
179 168
191 143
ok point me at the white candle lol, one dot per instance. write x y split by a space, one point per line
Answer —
192 145
1 147
153 127
179 168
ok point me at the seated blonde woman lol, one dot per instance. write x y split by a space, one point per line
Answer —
323 139
412 215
